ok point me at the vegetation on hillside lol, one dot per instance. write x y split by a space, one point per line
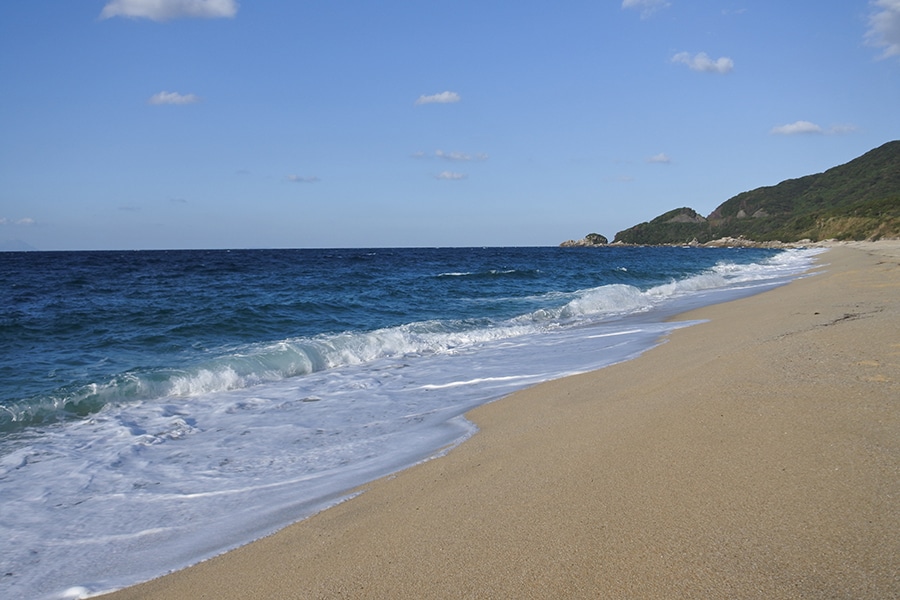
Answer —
855 201
678 226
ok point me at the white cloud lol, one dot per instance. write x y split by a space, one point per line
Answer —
24 222
806 127
166 10
442 98
173 98
884 27
450 176
797 127
702 62
459 156
662 159
647 7
299 179
451 156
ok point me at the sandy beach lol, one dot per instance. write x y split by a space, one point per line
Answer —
755 454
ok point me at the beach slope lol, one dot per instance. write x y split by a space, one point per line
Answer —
753 455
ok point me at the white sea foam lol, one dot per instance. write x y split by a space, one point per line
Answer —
192 463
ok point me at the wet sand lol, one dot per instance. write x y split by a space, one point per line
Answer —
753 455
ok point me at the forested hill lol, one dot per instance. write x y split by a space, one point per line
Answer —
855 201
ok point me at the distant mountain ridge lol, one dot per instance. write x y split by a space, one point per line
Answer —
858 200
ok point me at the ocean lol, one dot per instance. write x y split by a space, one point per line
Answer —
160 407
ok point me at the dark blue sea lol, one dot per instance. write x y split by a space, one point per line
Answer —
161 407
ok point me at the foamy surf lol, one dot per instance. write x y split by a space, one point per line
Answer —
169 465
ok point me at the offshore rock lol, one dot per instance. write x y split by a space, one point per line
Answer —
591 239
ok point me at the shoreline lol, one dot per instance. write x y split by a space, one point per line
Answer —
752 455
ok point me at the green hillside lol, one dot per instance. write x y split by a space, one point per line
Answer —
854 201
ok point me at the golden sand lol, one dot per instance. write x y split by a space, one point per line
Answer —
754 455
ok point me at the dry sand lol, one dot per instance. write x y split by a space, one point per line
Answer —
754 455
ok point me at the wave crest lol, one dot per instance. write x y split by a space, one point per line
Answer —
260 363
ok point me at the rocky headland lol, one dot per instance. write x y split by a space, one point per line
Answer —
859 200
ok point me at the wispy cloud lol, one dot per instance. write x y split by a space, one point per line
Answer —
442 98
172 98
647 7
301 179
660 159
797 128
167 10
451 156
884 27
702 62
845 128
459 156
807 128
21 222
450 176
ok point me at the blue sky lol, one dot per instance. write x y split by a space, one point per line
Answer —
133 124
